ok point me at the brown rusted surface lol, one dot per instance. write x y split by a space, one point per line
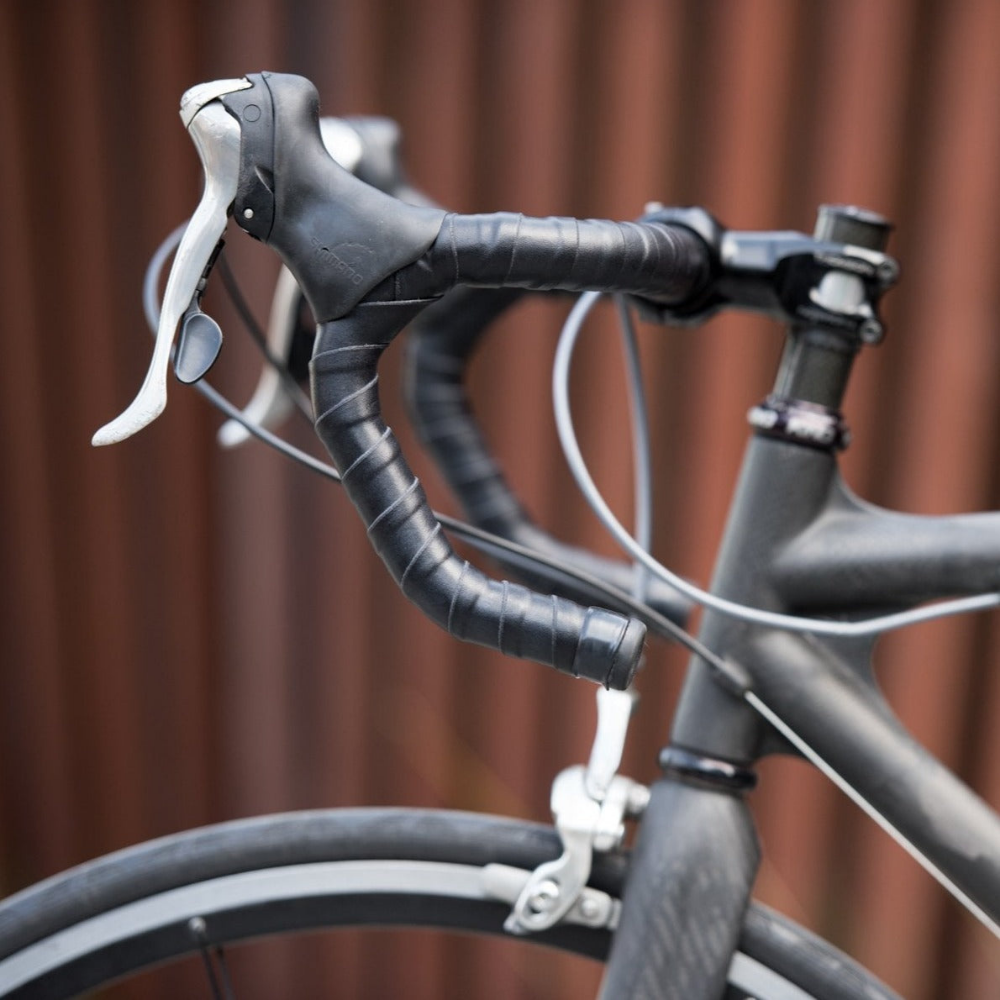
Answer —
188 635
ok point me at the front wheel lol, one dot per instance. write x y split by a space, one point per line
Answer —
196 891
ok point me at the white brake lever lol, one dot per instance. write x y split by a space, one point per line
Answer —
216 136
270 402
614 710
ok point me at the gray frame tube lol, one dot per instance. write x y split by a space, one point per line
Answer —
845 720
798 539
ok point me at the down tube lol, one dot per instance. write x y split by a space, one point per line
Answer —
843 717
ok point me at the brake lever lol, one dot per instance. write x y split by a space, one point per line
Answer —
217 128
216 136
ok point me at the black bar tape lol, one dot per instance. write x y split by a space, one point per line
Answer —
349 247
439 347
653 260
585 642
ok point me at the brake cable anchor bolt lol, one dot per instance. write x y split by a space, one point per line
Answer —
544 896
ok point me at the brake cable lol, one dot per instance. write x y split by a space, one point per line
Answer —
757 616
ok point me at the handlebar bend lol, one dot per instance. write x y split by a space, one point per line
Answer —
367 264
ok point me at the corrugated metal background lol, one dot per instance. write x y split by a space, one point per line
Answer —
188 635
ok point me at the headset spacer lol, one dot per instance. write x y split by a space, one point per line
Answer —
800 422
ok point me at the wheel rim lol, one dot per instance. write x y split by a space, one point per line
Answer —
183 920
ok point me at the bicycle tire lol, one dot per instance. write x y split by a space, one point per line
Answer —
336 868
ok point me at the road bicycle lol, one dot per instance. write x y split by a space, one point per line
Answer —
807 577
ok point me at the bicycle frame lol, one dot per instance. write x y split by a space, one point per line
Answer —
798 541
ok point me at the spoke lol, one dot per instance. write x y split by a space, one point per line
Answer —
227 982
210 973
223 991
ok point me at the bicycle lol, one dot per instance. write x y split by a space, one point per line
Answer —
798 594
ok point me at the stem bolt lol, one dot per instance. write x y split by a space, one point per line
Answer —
871 331
888 271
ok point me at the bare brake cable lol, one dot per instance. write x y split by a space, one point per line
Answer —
745 612
641 447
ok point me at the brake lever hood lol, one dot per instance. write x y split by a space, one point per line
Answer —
271 403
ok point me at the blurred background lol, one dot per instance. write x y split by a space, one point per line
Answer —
189 635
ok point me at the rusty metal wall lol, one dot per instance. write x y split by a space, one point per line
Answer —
188 635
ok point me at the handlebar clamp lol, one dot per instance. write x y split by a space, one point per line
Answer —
792 277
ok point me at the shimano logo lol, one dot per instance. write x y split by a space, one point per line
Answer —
336 263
